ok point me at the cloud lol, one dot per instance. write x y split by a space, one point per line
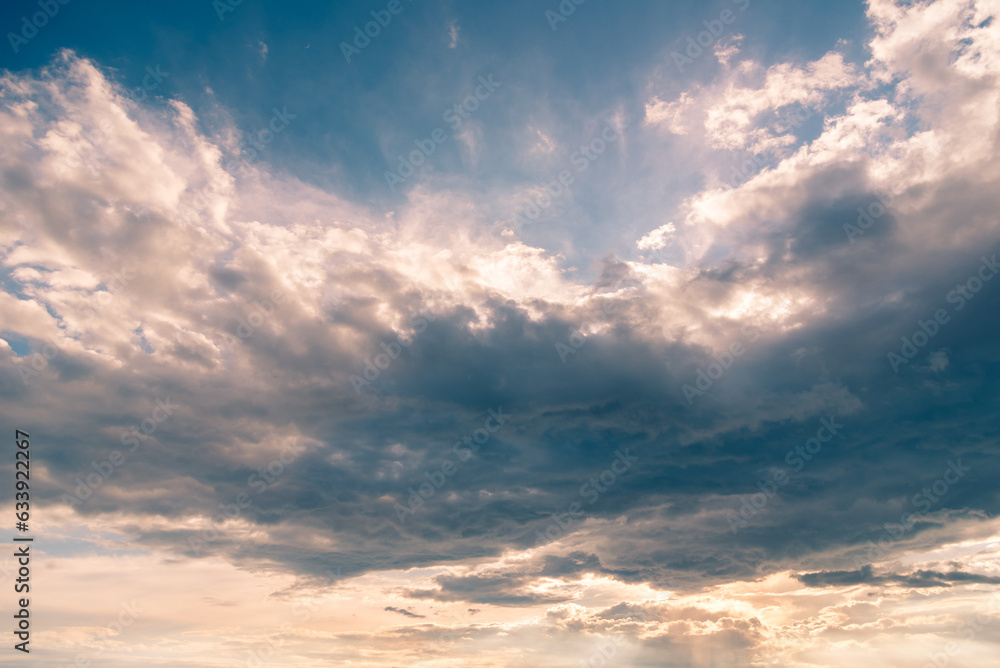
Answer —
739 110
657 239
96 186
352 281
669 114
917 579
405 613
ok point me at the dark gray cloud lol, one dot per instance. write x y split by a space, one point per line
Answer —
917 579
405 613
349 295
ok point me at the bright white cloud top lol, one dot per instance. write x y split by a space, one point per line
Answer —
148 263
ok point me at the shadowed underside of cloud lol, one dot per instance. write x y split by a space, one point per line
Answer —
816 315
277 318
918 579
405 613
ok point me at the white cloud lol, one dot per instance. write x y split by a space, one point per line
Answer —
103 184
658 238
669 114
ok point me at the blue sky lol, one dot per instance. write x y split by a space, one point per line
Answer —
354 119
718 322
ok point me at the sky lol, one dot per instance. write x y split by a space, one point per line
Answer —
438 334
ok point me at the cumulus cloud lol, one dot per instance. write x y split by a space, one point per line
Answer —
249 299
657 239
